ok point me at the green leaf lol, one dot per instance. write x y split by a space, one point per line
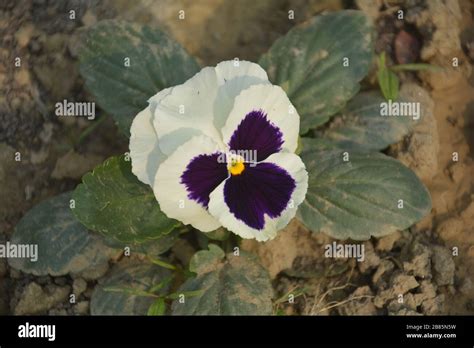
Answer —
125 290
157 308
151 248
361 126
415 67
163 264
113 202
156 62
204 238
203 259
158 246
230 285
318 144
359 198
157 287
388 81
308 63
220 234
64 245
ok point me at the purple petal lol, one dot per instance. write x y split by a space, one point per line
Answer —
256 133
263 189
202 175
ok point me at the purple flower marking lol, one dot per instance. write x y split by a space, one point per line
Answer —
259 190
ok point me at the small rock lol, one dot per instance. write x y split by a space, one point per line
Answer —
466 287
22 77
60 281
419 263
371 260
400 284
433 306
88 293
427 291
38 157
47 132
443 17
447 77
469 49
386 243
79 286
35 300
450 229
470 305
384 267
24 34
93 273
443 266
370 7
15 274
456 172
407 48
468 213
82 308
43 280
89 18
58 311
51 76
73 165
363 306
405 311
409 303
470 252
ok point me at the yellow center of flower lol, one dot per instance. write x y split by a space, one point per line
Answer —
236 167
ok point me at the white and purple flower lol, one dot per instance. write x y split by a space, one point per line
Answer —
218 150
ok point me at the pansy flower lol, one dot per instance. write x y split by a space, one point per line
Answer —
218 150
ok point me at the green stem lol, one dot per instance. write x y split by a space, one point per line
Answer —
90 129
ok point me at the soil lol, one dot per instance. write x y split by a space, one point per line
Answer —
428 269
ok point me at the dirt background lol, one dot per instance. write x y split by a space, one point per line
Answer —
431 264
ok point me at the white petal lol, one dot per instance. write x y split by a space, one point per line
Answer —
218 208
187 111
230 69
201 105
158 97
296 168
233 78
173 196
144 150
275 103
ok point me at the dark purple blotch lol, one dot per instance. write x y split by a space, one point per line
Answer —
265 189
202 175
